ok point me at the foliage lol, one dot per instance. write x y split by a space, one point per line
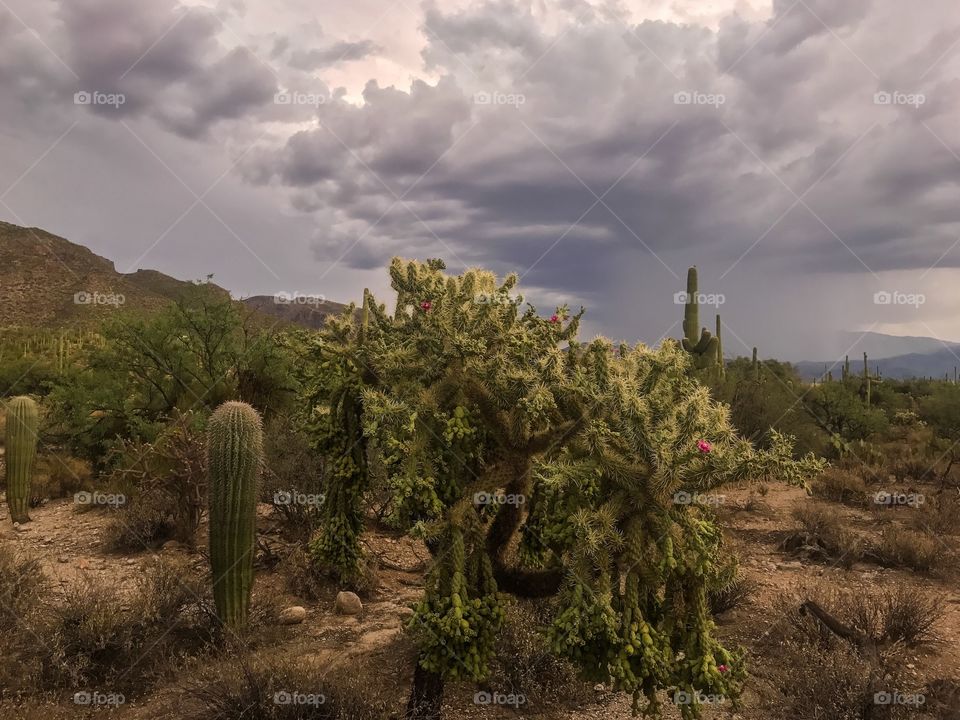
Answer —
839 410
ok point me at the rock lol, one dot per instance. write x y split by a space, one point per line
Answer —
63 559
599 687
405 613
292 615
131 561
347 603
171 546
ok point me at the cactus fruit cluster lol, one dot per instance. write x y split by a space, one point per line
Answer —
21 452
235 459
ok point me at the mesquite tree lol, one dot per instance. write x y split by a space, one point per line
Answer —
495 425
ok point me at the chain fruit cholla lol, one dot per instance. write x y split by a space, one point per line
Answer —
235 456
492 423
21 451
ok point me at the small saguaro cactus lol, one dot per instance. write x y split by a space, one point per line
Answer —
696 340
720 366
235 455
756 367
866 385
21 451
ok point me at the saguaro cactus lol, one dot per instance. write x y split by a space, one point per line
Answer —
21 451
697 341
235 454
867 385
756 367
720 366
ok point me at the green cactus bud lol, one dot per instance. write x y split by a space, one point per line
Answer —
21 451
235 456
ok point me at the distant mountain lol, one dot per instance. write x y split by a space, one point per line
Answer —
895 356
310 312
48 281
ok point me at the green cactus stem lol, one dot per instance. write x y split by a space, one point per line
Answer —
21 451
697 341
720 365
235 457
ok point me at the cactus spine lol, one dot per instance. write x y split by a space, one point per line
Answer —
235 456
697 341
21 450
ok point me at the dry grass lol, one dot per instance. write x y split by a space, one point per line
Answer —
840 485
823 535
901 547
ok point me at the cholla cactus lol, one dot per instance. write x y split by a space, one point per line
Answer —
235 458
21 451
489 429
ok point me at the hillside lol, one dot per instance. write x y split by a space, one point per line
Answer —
895 356
48 281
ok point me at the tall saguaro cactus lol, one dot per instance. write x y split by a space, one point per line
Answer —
721 368
21 451
697 341
235 455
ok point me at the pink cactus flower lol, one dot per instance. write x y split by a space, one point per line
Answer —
722 668
554 318
426 305
704 446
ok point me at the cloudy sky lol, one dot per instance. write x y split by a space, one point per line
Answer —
805 154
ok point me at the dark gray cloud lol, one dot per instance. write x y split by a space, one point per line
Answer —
595 154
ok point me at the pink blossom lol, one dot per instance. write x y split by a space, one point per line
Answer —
426 305
704 446
722 668
554 318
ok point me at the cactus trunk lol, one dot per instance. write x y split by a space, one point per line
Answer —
21 451
696 340
235 456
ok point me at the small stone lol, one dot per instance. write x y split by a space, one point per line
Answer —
171 545
911 666
293 615
348 603
599 687
131 561
63 559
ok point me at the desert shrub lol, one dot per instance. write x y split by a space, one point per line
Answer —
267 688
911 549
21 586
824 536
164 484
59 475
939 514
840 485
731 594
308 580
293 476
525 665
